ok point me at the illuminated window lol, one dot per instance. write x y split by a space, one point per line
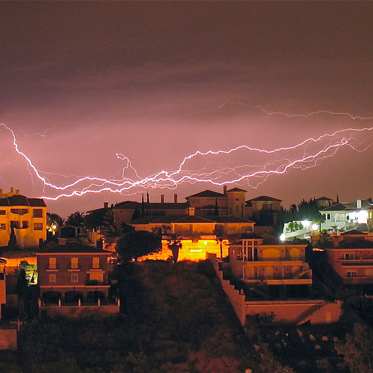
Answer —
52 263
2 226
96 262
52 278
74 263
96 276
2 212
38 213
74 278
38 226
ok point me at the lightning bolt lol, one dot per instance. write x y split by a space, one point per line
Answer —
287 115
218 167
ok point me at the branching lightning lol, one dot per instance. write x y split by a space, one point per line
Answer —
217 167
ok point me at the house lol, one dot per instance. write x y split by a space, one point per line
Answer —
323 202
127 211
346 216
280 267
231 202
26 217
352 259
71 273
264 210
197 233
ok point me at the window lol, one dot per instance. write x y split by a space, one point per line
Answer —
74 278
38 213
349 256
2 226
96 276
38 226
52 263
351 274
25 224
14 224
52 278
74 263
19 211
96 262
2 212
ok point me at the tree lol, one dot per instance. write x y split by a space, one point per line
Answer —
76 219
174 244
358 349
136 214
126 228
138 243
108 227
219 233
95 219
12 243
54 222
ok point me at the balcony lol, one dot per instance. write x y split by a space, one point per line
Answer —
365 261
96 283
74 267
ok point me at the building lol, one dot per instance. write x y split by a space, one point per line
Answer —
352 259
323 202
127 211
198 234
72 271
231 202
282 268
264 210
346 216
27 217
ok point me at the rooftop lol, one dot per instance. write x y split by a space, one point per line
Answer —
72 247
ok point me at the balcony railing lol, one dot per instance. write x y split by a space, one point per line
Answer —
356 261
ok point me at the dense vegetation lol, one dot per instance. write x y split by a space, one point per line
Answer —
176 319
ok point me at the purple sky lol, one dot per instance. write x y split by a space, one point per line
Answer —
158 81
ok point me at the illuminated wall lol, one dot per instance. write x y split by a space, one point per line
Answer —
28 216
191 250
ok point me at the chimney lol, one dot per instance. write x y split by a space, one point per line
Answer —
1 192
162 199
225 189
17 191
191 211
175 198
11 191
106 205
358 204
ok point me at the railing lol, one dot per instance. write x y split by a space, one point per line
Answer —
79 303
95 283
356 261
52 268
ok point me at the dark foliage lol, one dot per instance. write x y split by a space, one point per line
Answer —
138 243
178 320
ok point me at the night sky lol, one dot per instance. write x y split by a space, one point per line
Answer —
123 90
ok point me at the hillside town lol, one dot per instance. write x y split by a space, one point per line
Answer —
315 269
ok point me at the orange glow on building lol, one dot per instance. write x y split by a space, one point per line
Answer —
193 250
